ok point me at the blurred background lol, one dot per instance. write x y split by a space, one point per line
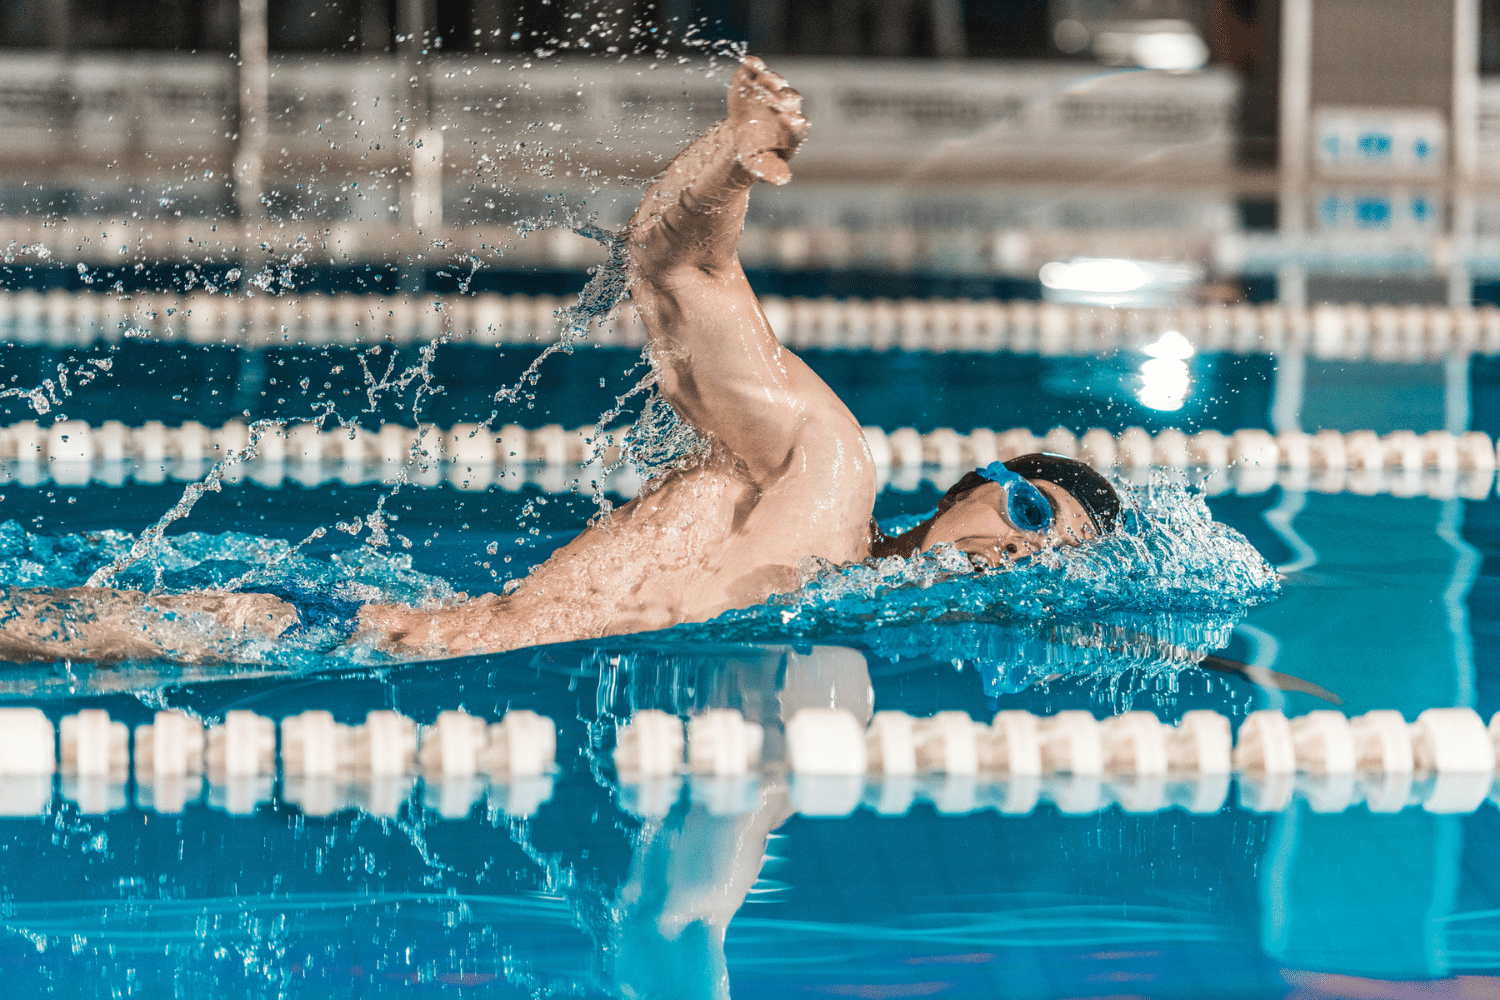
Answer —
1133 152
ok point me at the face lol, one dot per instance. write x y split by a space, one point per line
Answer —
975 525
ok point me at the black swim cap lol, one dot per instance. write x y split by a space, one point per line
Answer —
1089 488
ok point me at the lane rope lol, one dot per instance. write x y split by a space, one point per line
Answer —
74 453
1397 333
1443 761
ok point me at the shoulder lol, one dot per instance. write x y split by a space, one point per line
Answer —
830 445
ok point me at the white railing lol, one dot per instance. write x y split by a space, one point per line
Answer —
908 119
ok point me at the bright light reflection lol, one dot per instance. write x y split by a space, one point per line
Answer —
1170 345
1164 383
1169 50
1100 276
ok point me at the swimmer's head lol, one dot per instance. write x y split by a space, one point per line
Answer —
1007 511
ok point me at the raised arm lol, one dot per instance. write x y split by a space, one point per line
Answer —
721 366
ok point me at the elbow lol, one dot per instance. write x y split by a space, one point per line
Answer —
684 281
670 263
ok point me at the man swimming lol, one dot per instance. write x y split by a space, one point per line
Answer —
787 473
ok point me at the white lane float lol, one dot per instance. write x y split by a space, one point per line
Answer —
28 760
518 759
169 761
241 762
475 457
94 754
1071 744
720 742
650 745
1454 746
1445 760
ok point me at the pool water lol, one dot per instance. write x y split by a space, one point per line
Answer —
212 384
593 889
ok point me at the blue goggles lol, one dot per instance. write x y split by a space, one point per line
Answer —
1025 506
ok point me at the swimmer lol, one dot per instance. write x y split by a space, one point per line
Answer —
787 473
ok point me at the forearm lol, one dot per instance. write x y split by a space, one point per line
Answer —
102 625
692 215
486 624
42 626
719 362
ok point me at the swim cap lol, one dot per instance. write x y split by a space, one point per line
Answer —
1089 488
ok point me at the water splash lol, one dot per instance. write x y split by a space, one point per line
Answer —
1168 556
599 301
52 392
153 537
1159 593
604 291
326 590
1119 655
660 441
325 412
421 375
1129 615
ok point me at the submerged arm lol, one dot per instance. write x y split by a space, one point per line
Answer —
101 625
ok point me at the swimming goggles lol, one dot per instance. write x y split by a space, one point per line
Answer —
1025 506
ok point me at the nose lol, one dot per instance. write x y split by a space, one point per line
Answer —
1001 550
1017 546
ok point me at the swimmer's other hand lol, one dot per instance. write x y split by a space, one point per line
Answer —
270 616
765 117
103 625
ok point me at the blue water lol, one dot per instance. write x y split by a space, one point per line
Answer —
1042 905
1397 610
1045 905
173 383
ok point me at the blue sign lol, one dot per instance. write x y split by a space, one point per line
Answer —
1372 213
1375 145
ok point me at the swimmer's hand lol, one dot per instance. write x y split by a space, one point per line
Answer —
261 613
765 118
103 625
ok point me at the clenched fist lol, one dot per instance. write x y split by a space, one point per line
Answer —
765 119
